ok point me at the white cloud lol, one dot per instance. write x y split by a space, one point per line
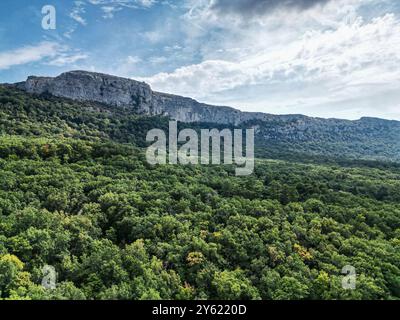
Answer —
78 11
327 55
64 59
154 36
158 60
124 3
28 54
146 3
109 7
109 11
50 53
133 60
346 53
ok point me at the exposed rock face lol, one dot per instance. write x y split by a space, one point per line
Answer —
138 96
366 137
89 86
127 93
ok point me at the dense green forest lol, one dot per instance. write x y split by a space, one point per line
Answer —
76 193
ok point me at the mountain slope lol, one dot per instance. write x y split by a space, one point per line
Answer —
288 137
76 194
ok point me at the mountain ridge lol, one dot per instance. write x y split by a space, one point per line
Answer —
288 137
122 92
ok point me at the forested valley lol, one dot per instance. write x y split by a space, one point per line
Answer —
76 193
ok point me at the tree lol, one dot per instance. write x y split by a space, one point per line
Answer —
233 285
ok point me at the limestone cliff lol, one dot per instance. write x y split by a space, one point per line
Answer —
127 93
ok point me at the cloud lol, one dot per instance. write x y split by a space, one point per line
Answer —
64 59
154 36
260 7
109 8
28 54
118 4
109 11
133 60
146 3
158 60
327 56
50 53
78 11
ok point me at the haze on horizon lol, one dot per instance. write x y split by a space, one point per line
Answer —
325 58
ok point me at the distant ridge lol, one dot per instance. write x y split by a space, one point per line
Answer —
127 93
289 135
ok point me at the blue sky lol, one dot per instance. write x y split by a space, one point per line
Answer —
327 58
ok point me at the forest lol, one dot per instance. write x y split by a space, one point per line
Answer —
77 194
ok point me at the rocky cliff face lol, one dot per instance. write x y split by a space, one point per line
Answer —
127 93
368 137
89 86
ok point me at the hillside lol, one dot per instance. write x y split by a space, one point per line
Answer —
284 137
77 194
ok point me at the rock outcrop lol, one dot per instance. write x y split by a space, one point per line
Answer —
138 96
366 137
90 86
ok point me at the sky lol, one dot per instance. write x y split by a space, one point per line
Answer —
323 58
